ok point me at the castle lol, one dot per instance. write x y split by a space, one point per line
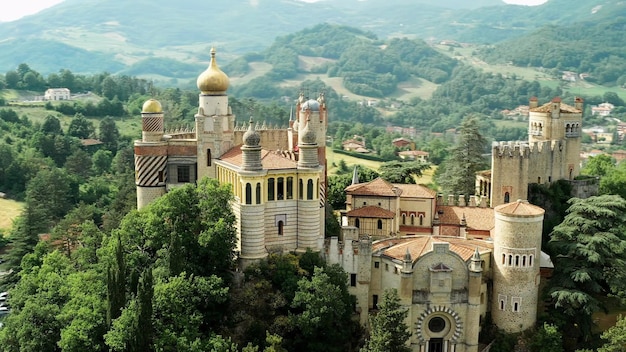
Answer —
451 262
278 176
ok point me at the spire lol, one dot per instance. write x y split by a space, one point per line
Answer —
407 256
355 175
475 263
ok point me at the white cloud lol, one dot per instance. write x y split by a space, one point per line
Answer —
18 9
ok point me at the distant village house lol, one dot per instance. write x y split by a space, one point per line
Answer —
57 94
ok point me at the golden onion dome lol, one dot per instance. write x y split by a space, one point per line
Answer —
213 81
151 106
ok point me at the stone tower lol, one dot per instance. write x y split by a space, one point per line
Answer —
215 122
310 215
516 258
150 155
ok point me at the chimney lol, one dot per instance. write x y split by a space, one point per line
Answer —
472 201
439 199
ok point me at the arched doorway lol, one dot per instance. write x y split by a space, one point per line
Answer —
439 329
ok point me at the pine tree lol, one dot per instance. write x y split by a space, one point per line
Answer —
116 284
457 174
388 331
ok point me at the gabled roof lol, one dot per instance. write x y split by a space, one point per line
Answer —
477 218
377 187
271 160
415 191
418 246
371 211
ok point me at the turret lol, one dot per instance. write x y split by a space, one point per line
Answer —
150 155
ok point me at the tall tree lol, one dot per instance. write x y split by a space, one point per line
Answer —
109 134
80 127
388 331
587 249
457 174
402 172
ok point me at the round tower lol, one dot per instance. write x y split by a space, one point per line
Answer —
252 229
150 155
517 251
215 123
309 224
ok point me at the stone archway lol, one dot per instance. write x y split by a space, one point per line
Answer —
438 329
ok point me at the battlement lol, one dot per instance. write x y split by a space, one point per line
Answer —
260 126
524 149
453 200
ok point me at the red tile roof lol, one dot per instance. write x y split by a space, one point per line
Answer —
371 211
377 187
520 208
271 160
563 108
415 191
419 245
477 218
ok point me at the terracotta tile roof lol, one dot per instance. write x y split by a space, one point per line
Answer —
415 191
548 108
371 211
271 160
521 208
419 245
476 218
377 187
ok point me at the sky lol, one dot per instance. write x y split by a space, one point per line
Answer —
18 9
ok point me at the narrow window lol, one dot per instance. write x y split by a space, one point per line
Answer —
289 187
421 220
380 224
386 267
376 265
539 180
517 260
501 304
270 188
280 188
280 228
503 259
403 219
309 190
523 260
530 260
208 157
160 176
357 223
412 219
510 260
516 307
353 280
375 301
300 189
258 193
183 173
507 197
248 193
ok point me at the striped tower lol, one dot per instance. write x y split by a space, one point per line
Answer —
516 254
309 224
150 155
252 209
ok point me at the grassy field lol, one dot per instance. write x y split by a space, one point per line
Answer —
9 210
334 158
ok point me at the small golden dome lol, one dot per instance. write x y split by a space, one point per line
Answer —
151 106
213 81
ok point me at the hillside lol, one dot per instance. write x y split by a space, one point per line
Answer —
146 37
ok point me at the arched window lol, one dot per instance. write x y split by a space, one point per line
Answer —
300 189
523 260
380 224
510 260
280 188
357 223
248 193
507 197
501 304
412 219
270 188
517 260
281 224
309 189
258 193
403 219
289 187
530 260
503 259
421 220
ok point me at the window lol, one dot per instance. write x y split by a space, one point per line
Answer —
300 189
502 301
183 173
380 224
309 190
280 191
412 219
289 187
161 176
376 265
375 301
248 193
208 157
510 260
501 305
523 260
436 324
421 220
403 219
530 260
516 303
507 197
386 266
270 188
517 260
258 193
357 223
353 280
280 228
503 259
516 307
